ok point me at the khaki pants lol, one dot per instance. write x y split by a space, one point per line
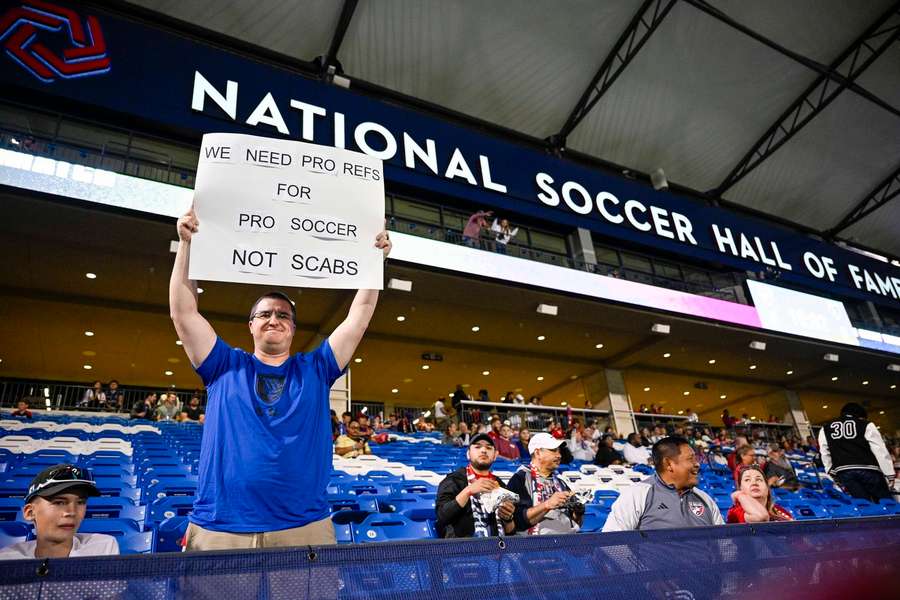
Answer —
318 533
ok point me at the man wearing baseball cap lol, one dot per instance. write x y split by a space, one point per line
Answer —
543 494
56 504
459 504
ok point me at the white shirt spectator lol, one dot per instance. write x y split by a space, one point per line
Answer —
439 410
83 544
637 456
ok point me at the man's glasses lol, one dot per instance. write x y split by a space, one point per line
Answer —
265 315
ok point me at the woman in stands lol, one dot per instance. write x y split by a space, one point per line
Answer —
753 501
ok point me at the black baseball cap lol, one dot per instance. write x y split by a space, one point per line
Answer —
482 437
59 478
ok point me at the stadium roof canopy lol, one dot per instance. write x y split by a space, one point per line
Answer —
791 109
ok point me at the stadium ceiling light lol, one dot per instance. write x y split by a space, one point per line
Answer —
476 328
866 382
548 309
598 346
541 338
401 285
87 367
357 360
89 333
401 318
485 372
90 275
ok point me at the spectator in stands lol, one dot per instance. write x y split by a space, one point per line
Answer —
22 410
503 233
753 502
56 503
668 499
543 494
93 397
113 402
778 470
854 452
472 230
346 417
193 411
504 444
440 414
365 430
451 436
460 497
606 454
168 409
352 443
269 395
635 453
145 409
522 444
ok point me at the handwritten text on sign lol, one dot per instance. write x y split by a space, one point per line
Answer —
278 212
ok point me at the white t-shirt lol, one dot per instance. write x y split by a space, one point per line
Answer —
439 410
637 456
83 544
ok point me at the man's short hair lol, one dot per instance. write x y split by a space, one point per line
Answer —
668 447
278 296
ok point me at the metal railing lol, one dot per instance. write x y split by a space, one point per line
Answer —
57 395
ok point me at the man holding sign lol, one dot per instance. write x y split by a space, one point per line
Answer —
266 454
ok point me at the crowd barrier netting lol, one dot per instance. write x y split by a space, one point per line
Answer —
826 559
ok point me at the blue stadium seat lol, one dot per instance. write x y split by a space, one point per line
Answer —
13 532
381 527
180 486
10 508
413 486
169 534
170 506
136 543
113 527
115 508
366 502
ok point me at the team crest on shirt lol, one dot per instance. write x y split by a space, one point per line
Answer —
697 508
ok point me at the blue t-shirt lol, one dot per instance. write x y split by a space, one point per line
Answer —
265 459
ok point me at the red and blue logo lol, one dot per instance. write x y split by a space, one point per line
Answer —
84 51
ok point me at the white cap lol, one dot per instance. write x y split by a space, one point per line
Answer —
543 440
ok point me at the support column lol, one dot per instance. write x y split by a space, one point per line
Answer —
618 403
796 414
582 245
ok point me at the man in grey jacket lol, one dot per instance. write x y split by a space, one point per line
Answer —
668 499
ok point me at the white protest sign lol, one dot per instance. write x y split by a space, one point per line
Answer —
285 213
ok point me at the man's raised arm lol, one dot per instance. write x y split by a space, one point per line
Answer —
347 335
196 334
